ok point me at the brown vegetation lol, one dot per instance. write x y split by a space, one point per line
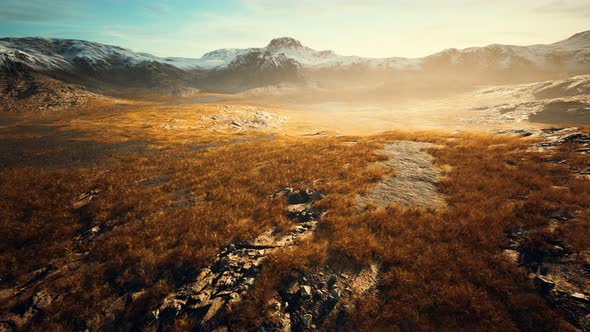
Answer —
164 215
156 241
444 269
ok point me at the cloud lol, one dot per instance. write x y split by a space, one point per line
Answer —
39 11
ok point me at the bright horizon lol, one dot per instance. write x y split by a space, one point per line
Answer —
373 28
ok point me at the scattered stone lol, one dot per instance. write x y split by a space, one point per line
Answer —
285 192
305 291
301 203
42 299
216 305
334 294
227 279
324 305
579 296
303 196
560 275
319 294
306 321
274 304
333 279
84 199
544 283
293 288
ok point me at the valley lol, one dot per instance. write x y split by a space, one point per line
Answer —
287 189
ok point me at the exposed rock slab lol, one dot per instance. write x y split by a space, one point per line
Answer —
414 181
234 118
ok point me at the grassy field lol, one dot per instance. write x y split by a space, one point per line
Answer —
170 197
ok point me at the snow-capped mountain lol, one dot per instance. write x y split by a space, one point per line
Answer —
572 54
288 60
307 57
65 54
89 63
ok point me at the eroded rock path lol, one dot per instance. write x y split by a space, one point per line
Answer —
414 181
232 273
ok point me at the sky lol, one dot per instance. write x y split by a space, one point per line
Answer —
372 28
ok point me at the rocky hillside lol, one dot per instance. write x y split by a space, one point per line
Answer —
21 89
551 102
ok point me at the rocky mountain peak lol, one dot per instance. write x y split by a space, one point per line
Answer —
278 44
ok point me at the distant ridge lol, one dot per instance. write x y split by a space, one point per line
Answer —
287 60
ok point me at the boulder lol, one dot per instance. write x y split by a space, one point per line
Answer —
213 313
305 291
579 296
42 299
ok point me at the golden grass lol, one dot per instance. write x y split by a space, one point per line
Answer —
155 247
442 269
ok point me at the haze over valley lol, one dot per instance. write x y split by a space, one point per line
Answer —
279 187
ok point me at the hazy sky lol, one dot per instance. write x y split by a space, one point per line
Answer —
376 28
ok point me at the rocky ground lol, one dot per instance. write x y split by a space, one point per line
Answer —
320 297
561 274
230 118
227 280
553 138
32 92
562 101
316 298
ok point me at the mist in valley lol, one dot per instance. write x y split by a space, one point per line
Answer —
191 166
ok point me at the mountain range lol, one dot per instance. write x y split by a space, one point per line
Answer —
102 67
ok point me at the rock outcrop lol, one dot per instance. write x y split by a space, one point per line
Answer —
232 273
